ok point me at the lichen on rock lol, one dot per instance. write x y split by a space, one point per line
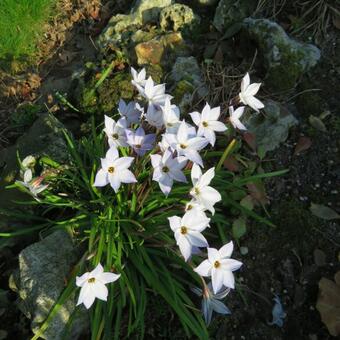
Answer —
284 58
144 12
178 17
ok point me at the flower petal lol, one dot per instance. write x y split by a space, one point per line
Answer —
196 117
165 184
213 255
114 182
184 247
182 133
227 250
252 89
88 297
197 239
231 265
217 279
219 307
228 279
108 277
122 163
193 156
204 268
99 290
175 222
245 82
97 271
196 173
217 126
126 176
206 178
101 179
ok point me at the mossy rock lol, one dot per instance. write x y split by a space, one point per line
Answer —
284 58
112 90
92 100
230 12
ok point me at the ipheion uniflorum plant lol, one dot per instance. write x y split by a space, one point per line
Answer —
149 206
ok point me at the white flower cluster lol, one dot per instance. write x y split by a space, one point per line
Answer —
179 144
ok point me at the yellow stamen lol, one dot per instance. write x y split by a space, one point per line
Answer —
184 230
217 264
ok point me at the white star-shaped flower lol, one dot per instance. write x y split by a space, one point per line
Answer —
170 116
153 93
138 78
247 94
208 122
93 285
235 116
186 144
167 170
220 267
115 131
114 170
131 111
201 191
188 230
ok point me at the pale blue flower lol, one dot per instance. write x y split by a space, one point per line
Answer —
211 303
139 141
277 313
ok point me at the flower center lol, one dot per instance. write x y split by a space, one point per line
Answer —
205 124
184 230
197 191
183 146
217 264
189 207
165 169
115 136
111 169
138 146
91 280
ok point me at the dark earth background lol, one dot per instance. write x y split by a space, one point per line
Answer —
288 260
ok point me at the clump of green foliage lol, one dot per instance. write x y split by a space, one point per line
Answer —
21 24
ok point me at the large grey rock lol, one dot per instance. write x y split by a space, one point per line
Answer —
43 269
44 138
230 12
272 128
145 11
284 58
178 17
188 79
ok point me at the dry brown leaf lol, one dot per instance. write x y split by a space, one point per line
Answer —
250 139
304 143
232 164
258 193
328 304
